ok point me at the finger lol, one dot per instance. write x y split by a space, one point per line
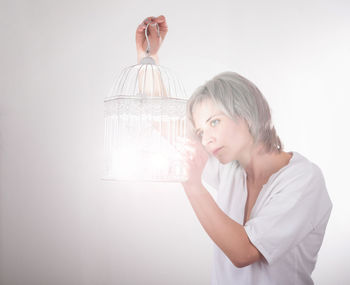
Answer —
185 151
141 28
184 147
160 19
140 36
187 159
163 26
148 20
192 136
185 140
153 30
189 147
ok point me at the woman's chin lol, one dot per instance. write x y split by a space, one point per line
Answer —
223 160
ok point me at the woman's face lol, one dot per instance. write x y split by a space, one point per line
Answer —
221 136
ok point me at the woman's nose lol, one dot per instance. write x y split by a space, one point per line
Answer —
207 139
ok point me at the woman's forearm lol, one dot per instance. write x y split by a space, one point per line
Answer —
229 235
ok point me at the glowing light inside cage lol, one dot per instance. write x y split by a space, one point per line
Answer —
141 140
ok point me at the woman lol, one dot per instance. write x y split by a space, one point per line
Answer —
272 206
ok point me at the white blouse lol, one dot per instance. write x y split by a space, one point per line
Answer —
286 224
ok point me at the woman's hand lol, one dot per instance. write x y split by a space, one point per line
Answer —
195 157
155 41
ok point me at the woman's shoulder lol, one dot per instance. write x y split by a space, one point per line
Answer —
303 179
300 165
300 174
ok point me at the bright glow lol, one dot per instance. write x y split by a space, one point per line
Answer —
132 162
143 148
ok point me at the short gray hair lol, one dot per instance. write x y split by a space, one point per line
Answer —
237 97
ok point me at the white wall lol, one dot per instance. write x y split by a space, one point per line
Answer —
61 224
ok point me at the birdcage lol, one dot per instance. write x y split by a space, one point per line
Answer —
144 115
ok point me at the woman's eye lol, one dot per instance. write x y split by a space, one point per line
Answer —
213 123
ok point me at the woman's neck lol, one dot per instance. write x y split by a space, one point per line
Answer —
259 165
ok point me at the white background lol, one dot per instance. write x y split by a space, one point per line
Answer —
60 223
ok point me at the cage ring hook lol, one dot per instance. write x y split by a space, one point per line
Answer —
148 50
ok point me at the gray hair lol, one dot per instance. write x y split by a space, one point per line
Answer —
238 98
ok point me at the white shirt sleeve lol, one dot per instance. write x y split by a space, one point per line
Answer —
299 203
210 174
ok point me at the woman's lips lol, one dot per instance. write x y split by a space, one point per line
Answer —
217 150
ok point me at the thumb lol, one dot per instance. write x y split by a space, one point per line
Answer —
140 36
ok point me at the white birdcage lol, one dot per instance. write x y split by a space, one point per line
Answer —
144 115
